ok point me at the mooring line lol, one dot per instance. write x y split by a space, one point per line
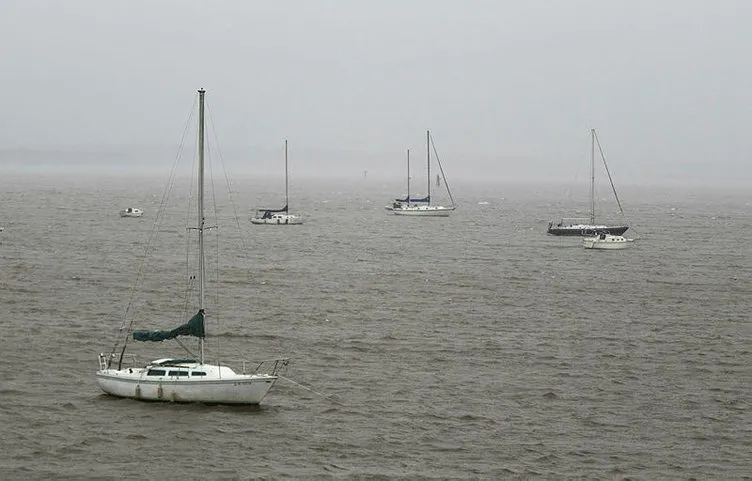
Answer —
311 390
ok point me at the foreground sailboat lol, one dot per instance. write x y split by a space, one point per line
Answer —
185 379
278 216
423 206
574 226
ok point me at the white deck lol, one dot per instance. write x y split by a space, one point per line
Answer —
423 210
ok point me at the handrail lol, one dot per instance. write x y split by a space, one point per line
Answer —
272 367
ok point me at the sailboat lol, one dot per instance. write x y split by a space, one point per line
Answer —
575 226
278 216
423 206
179 379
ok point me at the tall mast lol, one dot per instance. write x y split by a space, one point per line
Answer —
286 201
408 176
592 176
428 159
201 219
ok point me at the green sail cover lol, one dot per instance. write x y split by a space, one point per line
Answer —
194 327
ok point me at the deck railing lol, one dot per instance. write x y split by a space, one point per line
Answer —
271 367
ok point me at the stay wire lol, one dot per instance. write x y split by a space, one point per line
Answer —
441 168
152 235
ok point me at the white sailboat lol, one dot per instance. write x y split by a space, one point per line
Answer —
177 379
423 207
574 226
278 216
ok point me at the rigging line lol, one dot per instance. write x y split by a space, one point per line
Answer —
227 182
236 216
190 353
436 154
328 398
603 157
216 309
188 290
189 210
152 235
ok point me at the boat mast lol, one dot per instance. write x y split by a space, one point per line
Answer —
592 176
286 201
201 219
428 159
408 177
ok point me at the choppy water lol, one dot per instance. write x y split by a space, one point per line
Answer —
472 347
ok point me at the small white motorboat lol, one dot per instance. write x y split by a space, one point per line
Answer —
604 241
131 212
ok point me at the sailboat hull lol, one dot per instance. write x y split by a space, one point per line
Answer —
574 226
424 211
584 230
235 389
278 219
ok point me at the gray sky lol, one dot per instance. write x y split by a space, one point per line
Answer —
509 89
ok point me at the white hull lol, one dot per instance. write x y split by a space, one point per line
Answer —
284 219
227 388
424 211
130 212
605 242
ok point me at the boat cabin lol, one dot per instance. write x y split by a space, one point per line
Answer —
174 372
176 368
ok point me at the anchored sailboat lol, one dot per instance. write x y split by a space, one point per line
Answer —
180 379
278 216
424 206
574 226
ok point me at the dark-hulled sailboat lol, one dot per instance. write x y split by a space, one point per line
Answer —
573 226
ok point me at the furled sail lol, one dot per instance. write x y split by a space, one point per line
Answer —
194 327
415 200
283 209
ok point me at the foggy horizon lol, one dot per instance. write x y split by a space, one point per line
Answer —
509 91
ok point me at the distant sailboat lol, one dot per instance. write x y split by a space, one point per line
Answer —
423 207
574 226
278 216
